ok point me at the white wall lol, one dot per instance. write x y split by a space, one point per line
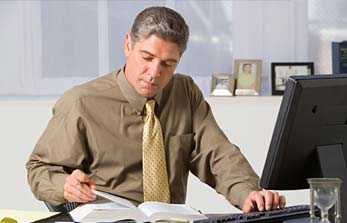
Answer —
247 121
272 31
37 57
21 123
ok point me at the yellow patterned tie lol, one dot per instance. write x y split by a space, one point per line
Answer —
155 178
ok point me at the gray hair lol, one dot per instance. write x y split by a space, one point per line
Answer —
162 22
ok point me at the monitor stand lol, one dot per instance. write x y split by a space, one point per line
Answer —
333 164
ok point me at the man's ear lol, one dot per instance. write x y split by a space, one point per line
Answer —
127 45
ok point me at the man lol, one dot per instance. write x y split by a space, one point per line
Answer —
98 135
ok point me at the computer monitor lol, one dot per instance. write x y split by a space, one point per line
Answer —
310 135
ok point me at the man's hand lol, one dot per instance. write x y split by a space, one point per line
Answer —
78 187
263 200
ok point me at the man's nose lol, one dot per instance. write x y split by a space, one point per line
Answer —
156 69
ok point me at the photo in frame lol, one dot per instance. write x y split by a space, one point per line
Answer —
248 77
222 85
280 72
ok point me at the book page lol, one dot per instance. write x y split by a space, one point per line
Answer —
107 208
106 212
114 198
174 212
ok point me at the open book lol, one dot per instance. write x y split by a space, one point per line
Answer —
112 208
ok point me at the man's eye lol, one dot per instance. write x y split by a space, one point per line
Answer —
147 58
167 64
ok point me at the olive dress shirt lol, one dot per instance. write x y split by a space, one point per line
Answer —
97 127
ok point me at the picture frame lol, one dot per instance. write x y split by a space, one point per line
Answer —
280 72
248 76
222 85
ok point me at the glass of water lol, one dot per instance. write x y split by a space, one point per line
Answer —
325 193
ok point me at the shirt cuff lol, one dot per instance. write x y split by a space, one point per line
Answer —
57 197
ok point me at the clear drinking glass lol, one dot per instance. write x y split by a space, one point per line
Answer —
325 193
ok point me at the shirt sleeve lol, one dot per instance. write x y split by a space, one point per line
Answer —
214 159
60 149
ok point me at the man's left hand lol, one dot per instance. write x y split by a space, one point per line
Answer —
263 200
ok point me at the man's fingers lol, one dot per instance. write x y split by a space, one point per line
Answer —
259 199
254 202
73 181
78 195
80 176
263 200
82 188
248 206
71 197
87 190
78 187
276 202
93 187
282 201
269 199
83 179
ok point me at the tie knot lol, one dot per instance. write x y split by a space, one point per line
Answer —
150 107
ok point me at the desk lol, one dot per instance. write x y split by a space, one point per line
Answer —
34 216
301 220
48 217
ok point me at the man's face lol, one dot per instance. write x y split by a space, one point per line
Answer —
150 64
247 68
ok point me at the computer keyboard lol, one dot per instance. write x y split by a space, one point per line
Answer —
278 215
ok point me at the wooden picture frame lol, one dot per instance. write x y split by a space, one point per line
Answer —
222 85
280 72
248 76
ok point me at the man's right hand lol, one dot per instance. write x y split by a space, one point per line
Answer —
78 187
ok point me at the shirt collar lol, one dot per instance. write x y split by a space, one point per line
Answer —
136 101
